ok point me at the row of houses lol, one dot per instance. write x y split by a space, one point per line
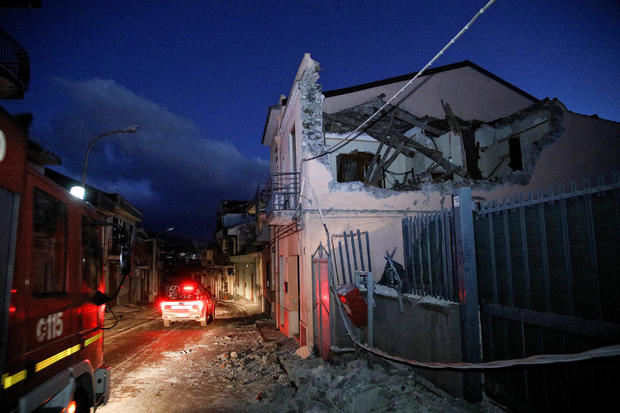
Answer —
340 199
118 216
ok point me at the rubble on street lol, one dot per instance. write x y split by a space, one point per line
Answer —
246 364
349 385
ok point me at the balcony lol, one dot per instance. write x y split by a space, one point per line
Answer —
114 249
14 68
278 199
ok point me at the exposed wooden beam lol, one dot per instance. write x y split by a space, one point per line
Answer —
410 145
402 115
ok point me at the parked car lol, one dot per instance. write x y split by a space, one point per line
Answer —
187 300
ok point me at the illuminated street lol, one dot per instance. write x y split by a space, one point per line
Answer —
238 363
177 369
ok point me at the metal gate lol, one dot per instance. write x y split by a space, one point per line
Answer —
546 277
549 283
320 301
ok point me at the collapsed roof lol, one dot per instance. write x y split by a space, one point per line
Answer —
505 149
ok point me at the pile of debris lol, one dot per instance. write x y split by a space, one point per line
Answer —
353 386
277 376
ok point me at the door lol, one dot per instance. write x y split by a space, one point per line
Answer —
320 302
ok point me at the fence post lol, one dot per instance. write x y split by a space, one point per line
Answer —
468 290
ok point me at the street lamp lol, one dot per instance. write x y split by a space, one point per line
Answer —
79 191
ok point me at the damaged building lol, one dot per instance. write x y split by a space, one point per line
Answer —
337 189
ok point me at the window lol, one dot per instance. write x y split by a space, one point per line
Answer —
49 249
514 150
353 166
91 253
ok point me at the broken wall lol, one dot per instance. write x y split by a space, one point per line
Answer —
576 149
367 144
527 131
428 330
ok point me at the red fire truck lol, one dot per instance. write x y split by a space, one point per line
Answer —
51 287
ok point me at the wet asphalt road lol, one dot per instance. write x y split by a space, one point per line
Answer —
157 369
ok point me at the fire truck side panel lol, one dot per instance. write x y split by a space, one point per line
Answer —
9 204
53 329
12 179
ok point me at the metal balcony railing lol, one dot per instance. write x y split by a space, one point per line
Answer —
280 193
114 247
14 62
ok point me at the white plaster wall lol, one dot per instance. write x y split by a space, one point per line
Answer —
470 93
588 148
291 122
384 226
354 196
492 150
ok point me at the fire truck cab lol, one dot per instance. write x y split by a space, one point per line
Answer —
51 342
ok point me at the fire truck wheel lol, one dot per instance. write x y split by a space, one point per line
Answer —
81 401
166 323
203 322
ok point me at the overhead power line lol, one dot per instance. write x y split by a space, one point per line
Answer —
354 134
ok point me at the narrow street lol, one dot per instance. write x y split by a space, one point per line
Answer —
183 368
241 363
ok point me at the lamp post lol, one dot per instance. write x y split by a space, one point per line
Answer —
79 191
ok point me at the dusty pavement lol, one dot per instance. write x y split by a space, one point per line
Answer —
242 363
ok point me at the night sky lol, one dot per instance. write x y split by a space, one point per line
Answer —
199 76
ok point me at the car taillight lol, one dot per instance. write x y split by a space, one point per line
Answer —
188 287
200 305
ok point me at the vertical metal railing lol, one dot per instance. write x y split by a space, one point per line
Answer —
14 60
280 193
548 280
428 245
351 253
540 253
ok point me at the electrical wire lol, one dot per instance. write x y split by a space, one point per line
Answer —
354 134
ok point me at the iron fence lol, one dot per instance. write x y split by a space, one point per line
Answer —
428 242
556 253
14 60
280 193
548 284
351 253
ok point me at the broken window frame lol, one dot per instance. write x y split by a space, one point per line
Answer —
362 162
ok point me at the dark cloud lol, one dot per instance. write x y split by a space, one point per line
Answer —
169 169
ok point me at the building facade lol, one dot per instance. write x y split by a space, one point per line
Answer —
457 125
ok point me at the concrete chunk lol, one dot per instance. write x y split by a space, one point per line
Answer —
304 352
